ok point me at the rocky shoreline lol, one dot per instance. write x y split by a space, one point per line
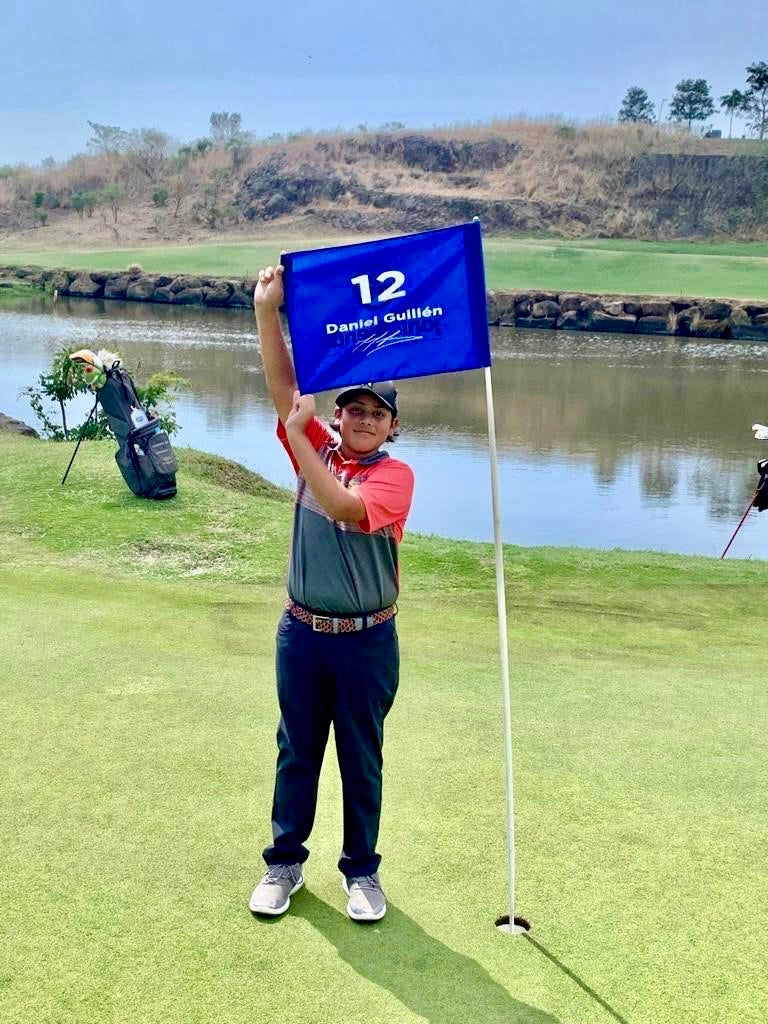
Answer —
682 316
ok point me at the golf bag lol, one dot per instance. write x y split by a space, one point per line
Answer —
144 455
761 495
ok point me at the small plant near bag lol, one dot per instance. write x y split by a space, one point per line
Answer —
64 380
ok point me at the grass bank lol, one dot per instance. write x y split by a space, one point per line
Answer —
728 270
12 290
139 713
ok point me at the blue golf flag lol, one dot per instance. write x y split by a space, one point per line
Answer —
409 306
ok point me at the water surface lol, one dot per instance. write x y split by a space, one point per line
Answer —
604 441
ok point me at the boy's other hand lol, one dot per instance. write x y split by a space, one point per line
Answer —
302 412
268 293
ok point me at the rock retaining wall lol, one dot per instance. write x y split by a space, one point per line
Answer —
630 314
549 310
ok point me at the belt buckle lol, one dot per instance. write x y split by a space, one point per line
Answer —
323 618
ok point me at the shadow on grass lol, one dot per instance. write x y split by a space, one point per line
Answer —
430 978
574 977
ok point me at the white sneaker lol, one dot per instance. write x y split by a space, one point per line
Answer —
272 896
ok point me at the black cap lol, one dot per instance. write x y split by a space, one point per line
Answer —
385 392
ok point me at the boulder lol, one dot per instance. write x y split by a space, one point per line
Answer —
704 328
546 308
714 310
523 305
755 308
570 301
141 290
570 321
163 295
100 276
739 316
615 307
60 281
685 319
633 307
590 305
163 280
115 287
653 325
184 282
499 304
16 426
750 332
597 321
188 296
761 318
655 307
240 299
84 287
218 294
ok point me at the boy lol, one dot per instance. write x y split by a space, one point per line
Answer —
337 648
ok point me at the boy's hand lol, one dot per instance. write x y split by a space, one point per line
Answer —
268 293
302 412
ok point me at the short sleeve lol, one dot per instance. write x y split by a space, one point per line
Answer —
387 494
317 433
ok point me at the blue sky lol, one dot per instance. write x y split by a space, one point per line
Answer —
333 63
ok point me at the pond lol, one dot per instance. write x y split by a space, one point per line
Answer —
604 441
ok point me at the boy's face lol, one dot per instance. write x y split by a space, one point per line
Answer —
365 423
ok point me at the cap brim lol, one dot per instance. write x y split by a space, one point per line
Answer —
361 389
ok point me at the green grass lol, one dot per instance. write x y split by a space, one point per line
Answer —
730 269
17 290
138 711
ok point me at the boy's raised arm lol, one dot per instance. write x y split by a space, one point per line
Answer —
278 366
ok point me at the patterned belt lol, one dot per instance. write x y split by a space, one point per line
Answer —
340 624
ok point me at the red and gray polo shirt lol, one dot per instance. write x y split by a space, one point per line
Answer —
348 568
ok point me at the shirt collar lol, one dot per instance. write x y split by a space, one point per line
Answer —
367 460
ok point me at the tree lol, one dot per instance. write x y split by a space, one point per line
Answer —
107 139
637 106
147 150
112 196
757 97
735 104
181 182
225 126
692 101
63 381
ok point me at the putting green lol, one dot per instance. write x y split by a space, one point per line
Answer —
139 712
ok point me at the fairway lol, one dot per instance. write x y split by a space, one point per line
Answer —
729 270
139 716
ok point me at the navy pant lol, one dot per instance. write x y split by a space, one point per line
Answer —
349 679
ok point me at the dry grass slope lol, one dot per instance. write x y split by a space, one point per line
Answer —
520 176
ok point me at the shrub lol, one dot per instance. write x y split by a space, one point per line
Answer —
160 196
66 379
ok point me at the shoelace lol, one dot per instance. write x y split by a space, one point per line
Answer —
277 872
365 882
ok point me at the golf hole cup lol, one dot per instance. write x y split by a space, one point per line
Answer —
520 926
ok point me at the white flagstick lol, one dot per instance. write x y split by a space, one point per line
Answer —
511 928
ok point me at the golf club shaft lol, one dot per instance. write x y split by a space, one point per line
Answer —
746 513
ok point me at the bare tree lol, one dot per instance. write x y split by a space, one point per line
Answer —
107 139
147 149
225 126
